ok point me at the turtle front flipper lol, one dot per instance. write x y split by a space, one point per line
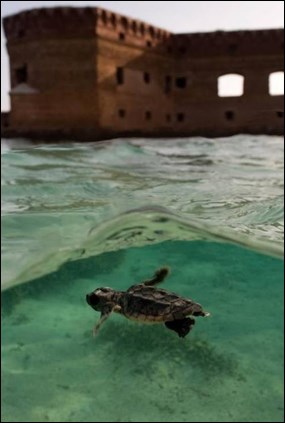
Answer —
181 327
158 277
104 316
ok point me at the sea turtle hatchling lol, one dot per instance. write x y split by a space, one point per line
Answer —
148 304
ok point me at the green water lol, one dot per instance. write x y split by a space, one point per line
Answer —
78 216
229 368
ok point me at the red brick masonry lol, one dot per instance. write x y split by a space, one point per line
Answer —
87 73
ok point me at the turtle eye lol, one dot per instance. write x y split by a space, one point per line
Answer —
105 290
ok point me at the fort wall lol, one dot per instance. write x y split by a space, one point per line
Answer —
91 73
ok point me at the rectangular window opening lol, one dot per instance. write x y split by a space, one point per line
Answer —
180 117
233 48
121 36
120 76
146 77
181 82
21 33
122 113
148 115
229 115
21 75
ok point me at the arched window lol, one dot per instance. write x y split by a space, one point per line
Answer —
230 85
276 83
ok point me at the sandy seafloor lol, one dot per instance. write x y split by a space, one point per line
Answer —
230 367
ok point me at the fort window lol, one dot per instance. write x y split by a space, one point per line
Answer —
276 83
149 44
232 48
148 115
21 75
21 33
122 113
167 87
181 82
230 85
168 118
121 36
182 50
229 115
146 77
280 114
180 117
120 76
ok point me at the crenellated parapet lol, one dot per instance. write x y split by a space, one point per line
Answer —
59 22
229 43
130 31
86 22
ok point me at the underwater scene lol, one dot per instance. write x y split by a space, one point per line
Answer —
77 217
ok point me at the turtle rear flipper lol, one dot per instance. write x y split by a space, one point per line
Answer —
158 277
181 327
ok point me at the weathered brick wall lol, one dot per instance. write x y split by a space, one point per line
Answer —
137 104
58 48
64 77
206 57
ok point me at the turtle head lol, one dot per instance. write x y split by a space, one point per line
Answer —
99 298
198 311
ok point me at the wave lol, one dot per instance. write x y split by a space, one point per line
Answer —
71 201
134 228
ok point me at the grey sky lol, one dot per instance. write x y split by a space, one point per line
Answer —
176 16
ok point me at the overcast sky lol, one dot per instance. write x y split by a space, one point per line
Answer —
176 16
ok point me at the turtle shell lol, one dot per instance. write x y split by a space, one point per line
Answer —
150 304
